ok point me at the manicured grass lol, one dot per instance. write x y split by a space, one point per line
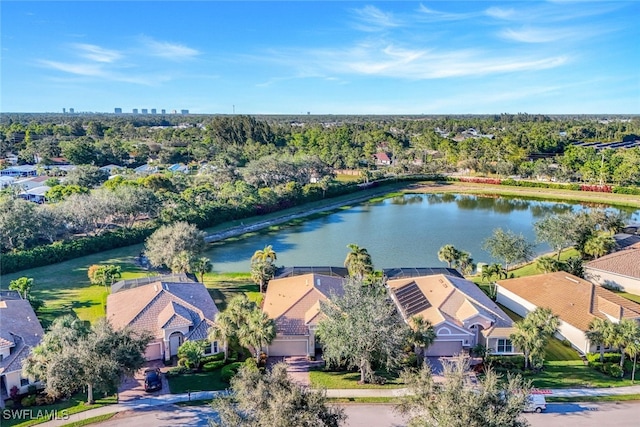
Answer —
573 374
201 381
339 380
74 405
556 350
223 287
91 420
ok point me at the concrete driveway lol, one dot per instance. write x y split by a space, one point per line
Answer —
133 388
297 367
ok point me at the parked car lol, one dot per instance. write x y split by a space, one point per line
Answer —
535 403
152 380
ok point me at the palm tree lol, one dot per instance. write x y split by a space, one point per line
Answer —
599 245
633 348
259 330
202 266
358 262
626 333
547 264
600 332
266 255
223 331
448 254
262 268
526 338
181 263
422 336
533 332
573 265
464 263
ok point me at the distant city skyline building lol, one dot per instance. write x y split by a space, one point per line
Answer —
145 111
64 110
184 111
135 111
164 111
71 111
117 110
153 111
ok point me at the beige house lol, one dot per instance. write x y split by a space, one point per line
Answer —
294 304
461 314
20 331
620 270
575 301
173 312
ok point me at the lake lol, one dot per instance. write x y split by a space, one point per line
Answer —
403 231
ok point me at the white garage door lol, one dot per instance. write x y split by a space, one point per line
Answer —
444 348
288 348
153 351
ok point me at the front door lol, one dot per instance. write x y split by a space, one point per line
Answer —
175 340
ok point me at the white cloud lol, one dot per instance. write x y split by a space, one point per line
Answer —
97 53
443 16
373 19
499 13
172 51
99 71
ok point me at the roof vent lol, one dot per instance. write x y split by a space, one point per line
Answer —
571 279
155 288
318 282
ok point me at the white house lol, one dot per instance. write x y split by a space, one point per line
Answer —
574 300
618 270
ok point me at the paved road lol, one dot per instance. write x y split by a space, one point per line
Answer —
624 414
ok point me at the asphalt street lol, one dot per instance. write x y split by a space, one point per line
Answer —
622 414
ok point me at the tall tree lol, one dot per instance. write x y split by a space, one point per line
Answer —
552 229
464 263
626 332
532 334
223 330
448 254
547 264
422 335
362 328
508 246
263 267
169 241
273 400
258 331
202 266
358 262
602 333
452 403
23 285
599 245
71 356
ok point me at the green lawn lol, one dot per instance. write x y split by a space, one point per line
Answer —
340 380
573 374
74 405
200 381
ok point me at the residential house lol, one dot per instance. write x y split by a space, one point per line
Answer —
177 167
20 171
30 183
618 270
171 311
112 169
461 314
382 159
6 181
293 302
20 331
576 302
146 169
36 195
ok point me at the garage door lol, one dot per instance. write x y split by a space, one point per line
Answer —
153 351
288 348
444 348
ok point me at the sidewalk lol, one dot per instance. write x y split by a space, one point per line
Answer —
166 399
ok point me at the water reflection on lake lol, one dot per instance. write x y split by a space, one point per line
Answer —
402 231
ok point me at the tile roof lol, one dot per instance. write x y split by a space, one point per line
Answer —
19 328
576 301
293 302
451 299
625 262
159 305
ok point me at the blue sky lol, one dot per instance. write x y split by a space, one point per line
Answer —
292 57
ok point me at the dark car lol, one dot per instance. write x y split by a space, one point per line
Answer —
152 381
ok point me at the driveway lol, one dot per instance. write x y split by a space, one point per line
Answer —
297 367
133 388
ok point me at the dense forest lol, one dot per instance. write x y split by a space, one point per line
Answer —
246 165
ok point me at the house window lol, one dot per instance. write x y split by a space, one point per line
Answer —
504 346
24 382
215 346
207 348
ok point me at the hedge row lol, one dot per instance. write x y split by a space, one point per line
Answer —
627 190
607 357
69 249
553 185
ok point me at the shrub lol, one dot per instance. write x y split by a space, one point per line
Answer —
615 370
212 358
627 190
212 366
28 401
230 370
506 362
178 370
608 357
